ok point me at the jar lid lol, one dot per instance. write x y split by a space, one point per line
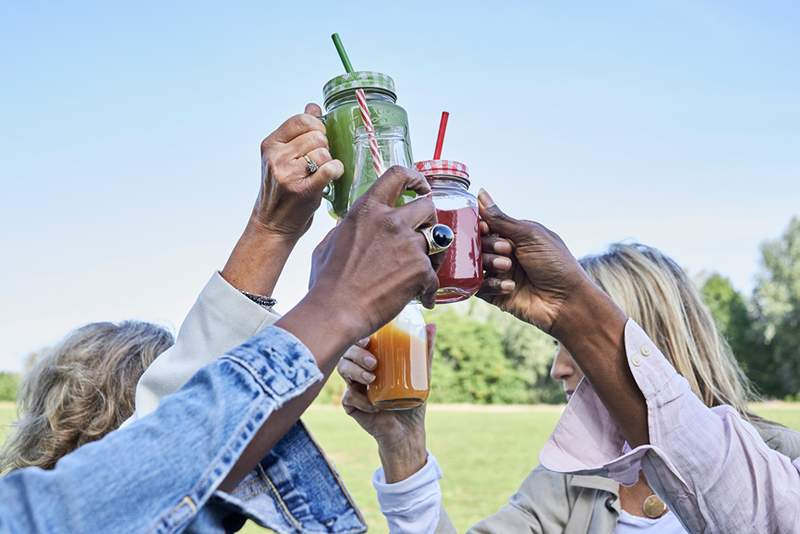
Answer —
438 167
357 80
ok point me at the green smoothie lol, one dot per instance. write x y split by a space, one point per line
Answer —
343 117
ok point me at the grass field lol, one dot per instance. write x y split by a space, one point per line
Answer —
485 452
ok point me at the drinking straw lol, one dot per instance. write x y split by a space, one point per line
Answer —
337 42
361 98
437 152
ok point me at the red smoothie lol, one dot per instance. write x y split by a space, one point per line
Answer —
461 273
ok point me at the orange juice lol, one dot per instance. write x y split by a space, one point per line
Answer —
401 377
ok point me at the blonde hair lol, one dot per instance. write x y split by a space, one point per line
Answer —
656 293
80 391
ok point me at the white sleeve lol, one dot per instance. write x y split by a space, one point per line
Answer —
412 505
220 319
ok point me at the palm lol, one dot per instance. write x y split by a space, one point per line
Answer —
388 426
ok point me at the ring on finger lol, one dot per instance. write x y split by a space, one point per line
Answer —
438 237
311 167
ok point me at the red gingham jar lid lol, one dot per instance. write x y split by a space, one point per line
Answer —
438 167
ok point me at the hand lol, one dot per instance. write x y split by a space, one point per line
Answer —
400 434
541 276
289 196
544 285
375 261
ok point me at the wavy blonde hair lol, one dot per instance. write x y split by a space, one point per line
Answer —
80 391
656 293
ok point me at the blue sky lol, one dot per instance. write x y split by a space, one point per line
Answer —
129 133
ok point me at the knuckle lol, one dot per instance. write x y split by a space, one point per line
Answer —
323 154
391 224
319 138
397 172
298 121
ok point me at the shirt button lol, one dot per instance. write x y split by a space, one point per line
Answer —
645 350
636 361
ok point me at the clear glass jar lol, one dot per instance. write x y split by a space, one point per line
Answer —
402 374
461 272
394 150
343 118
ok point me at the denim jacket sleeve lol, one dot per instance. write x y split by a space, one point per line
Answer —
272 495
154 475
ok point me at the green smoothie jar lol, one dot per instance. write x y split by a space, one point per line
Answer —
343 118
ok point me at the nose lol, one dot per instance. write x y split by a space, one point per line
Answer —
563 365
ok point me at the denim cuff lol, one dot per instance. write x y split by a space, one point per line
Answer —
281 495
278 361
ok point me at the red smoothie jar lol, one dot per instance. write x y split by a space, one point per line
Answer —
461 273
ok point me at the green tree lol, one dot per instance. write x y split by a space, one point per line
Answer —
470 364
777 303
741 331
531 352
481 349
9 382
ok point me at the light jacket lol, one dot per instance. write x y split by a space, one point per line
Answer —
160 474
279 494
553 503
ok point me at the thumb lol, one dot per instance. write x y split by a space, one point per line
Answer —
313 109
496 219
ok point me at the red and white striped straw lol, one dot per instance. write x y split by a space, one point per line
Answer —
377 159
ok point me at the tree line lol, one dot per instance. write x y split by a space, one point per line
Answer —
485 356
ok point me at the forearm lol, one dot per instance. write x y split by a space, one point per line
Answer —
311 322
592 328
403 457
258 259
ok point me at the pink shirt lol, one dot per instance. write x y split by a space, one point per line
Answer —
709 465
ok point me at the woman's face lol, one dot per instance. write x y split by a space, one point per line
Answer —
565 370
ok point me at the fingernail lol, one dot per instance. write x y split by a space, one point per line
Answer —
370 362
501 263
507 285
485 198
369 377
502 247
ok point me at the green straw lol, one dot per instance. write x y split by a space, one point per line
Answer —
337 42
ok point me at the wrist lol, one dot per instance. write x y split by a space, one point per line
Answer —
257 230
257 226
588 318
257 259
401 458
324 329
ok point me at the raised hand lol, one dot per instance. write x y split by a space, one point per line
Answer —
530 272
400 434
375 260
286 201
289 194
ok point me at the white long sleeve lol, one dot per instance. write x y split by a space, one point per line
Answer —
412 505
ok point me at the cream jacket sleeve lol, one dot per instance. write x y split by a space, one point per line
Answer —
219 320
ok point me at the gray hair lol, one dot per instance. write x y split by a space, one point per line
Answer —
81 390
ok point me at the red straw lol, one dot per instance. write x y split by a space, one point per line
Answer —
437 152
377 159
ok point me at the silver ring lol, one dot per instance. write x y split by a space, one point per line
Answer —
439 237
311 167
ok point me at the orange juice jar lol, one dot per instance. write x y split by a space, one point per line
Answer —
401 348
